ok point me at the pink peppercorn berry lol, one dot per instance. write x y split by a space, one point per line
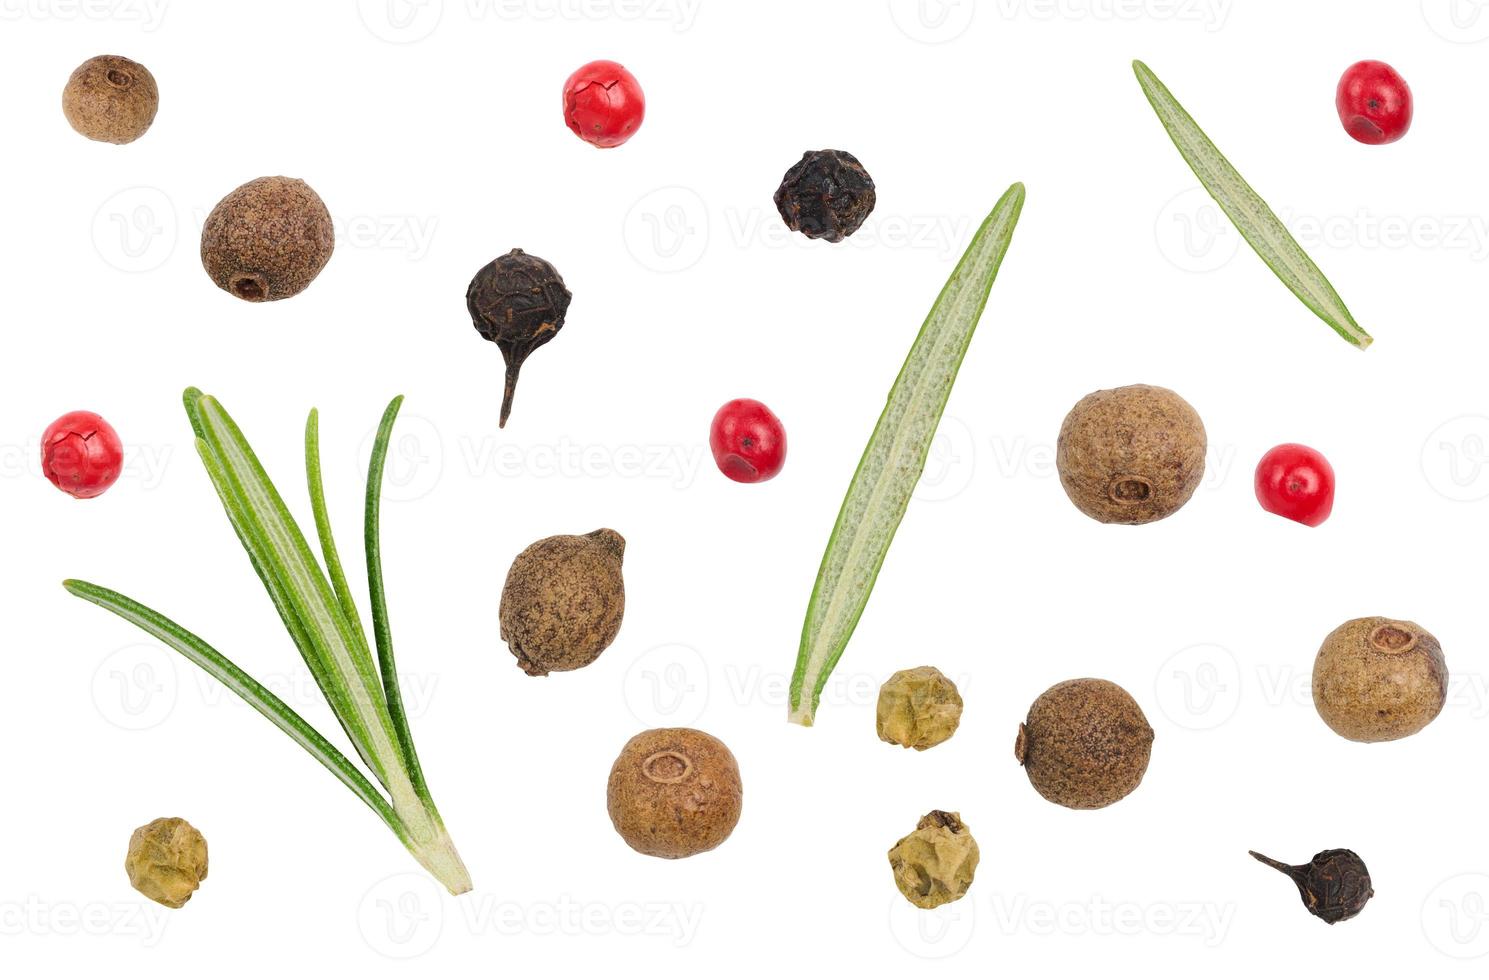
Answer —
81 454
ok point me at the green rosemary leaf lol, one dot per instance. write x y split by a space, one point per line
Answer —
310 595
381 631
260 698
330 681
1257 223
894 459
328 543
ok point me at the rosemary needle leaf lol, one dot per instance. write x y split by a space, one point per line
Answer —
1257 223
231 676
894 459
382 633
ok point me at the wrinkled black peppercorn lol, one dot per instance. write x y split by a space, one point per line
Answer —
1335 885
827 194
517 302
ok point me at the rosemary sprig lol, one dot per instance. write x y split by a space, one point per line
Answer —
321 618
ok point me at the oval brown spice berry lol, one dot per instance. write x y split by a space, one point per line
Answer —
268 239
674 792
564 600
1131 455
110 99
1085 744
1378 679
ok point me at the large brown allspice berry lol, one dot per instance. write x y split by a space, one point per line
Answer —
167 861
110 99
519 303
1131 455
1085 744
674 792
563 601
268 239
1378 679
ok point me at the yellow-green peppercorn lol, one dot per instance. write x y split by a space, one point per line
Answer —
935 864
918 708
167 861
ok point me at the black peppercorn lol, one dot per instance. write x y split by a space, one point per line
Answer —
827 194
1335 885
517 302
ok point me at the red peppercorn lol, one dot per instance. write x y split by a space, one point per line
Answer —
1374 103
1296 482
603 104
81 454
748 441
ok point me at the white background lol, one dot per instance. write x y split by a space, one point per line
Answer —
433 132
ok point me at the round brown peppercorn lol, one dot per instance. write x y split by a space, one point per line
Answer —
268 239
1378 679
167 860
674 792
110 99
1131 455
564 600
826 195
1085 744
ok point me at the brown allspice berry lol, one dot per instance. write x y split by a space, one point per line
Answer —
1377 679
167 861
518 302
1334 886
1131 455
110 99
268 239
563 601
1085 744
674 792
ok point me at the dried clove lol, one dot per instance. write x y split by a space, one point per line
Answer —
1334 886
518 302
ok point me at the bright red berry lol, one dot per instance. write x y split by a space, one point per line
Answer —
81 454
1296 482
1374 103
603 104
748 441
